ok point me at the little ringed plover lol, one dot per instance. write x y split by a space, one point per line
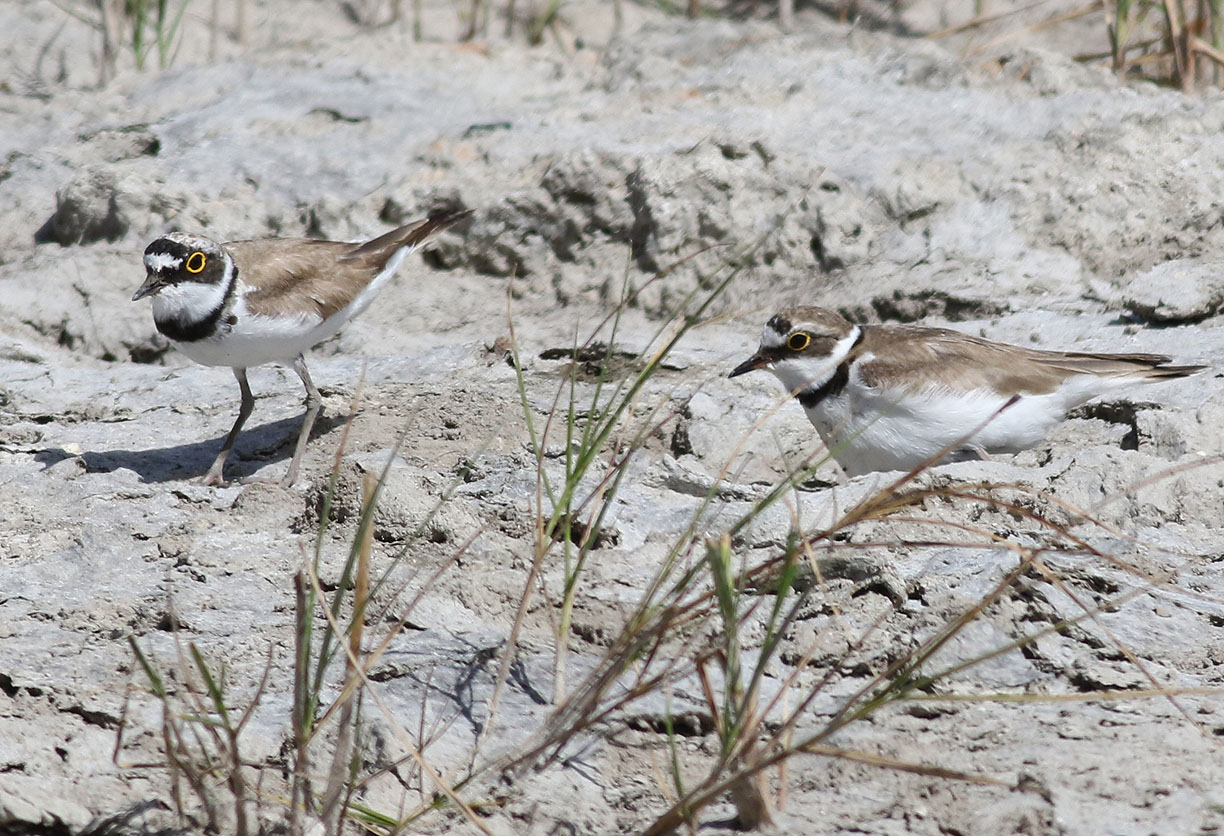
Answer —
890 397
246 303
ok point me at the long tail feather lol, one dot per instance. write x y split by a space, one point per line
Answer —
384 246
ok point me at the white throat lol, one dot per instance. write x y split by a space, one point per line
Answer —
800 373
188 303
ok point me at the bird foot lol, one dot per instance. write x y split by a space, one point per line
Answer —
263 480
285 481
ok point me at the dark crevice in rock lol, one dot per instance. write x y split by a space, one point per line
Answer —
93 718
644 227
1116 412
686 724
914 307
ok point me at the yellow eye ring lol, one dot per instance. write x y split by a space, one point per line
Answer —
798 341
196 267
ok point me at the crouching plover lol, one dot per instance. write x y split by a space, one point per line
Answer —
246 303
890 397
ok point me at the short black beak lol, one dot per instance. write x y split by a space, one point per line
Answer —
151 285
756 361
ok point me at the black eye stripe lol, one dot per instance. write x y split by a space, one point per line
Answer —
190 260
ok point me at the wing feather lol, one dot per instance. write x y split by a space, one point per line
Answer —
906 357
291 276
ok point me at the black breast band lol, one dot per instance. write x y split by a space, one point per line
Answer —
190 332
833 386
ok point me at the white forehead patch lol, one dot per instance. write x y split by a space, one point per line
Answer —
771 338
160 262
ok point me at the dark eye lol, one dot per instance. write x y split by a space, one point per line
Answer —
196 262
798 341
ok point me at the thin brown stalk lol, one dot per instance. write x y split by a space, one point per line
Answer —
786 14
1205 49
1183 56
300 792
682 811
397 730
1057 20
112 20
1054 578
342 751
242 26
981 20
1157 477
897 765
214 30
1087 696
1024 641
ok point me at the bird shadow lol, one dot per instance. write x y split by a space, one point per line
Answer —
255 448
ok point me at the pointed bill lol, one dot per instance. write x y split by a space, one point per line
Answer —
152 284
757 361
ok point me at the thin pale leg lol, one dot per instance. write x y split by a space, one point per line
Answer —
313 402
968 453
982 453
215 475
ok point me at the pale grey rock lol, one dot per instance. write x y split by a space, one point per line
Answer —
88 209
413 504
122 142
976 647
1183 290
26 801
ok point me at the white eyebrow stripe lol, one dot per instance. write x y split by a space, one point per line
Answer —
157 262
771 338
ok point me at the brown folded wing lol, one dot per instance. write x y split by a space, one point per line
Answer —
905 356
302 276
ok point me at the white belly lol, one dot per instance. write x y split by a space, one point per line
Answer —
867 429
255 340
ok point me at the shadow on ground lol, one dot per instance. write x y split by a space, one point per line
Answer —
256 447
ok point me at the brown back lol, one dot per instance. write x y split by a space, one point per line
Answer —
287 276
962 362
